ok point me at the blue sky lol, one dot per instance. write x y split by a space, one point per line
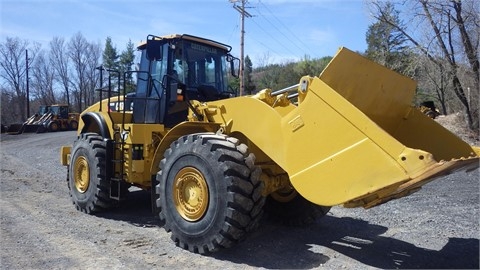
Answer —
279 31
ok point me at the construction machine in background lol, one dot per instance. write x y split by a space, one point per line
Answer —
429 109
214 162
50 118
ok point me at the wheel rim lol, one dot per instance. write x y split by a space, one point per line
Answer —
81 174
54 127
190 194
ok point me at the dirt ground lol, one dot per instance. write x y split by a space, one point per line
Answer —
437 227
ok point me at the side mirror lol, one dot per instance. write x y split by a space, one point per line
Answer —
154 49
233 62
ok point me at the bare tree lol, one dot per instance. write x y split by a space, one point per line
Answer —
77 48
13 65
6 101
93 61
42 79
436 80
85 58
60 63
452 39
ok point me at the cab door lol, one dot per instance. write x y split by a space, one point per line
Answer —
150 101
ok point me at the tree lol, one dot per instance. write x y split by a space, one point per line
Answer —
13 71
388 46
60 62
85 58
279 76
433 83
94 53
452 38
249 85
310 67
126 62
110 56
305 67
111 65
42 79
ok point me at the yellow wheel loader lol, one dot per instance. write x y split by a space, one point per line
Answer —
214 163
49 118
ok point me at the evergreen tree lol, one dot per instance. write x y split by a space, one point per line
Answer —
388 46
110 55
126 62
249 85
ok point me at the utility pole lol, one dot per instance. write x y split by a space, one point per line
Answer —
28 90
243 14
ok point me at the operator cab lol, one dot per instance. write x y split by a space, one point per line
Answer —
176 69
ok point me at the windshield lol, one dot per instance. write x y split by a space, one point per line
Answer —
43 110
201 65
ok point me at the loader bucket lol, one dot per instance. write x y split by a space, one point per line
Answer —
37 128
353 139
14 129
420 147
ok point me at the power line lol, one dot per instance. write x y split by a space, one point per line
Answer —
266 46
274 38
277 27
291 37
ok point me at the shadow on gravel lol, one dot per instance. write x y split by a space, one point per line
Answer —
280 247
136 210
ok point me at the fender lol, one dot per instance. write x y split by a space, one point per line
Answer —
178 131
95 122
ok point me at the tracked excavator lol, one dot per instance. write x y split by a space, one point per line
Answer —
214 162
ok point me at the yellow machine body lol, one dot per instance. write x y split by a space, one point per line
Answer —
352 138
213 162
139 139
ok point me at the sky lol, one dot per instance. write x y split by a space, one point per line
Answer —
278 31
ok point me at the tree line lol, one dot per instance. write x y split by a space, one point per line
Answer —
66 72
434 42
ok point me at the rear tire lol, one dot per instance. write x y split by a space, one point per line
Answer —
209 192
291 209
89 189
73 125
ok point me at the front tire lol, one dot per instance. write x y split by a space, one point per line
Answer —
209 192
87 183
53 126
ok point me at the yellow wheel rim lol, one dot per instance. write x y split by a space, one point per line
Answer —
81 174
190 194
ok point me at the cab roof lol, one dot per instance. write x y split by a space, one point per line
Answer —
188 37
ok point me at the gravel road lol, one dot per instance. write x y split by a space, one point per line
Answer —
437 227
